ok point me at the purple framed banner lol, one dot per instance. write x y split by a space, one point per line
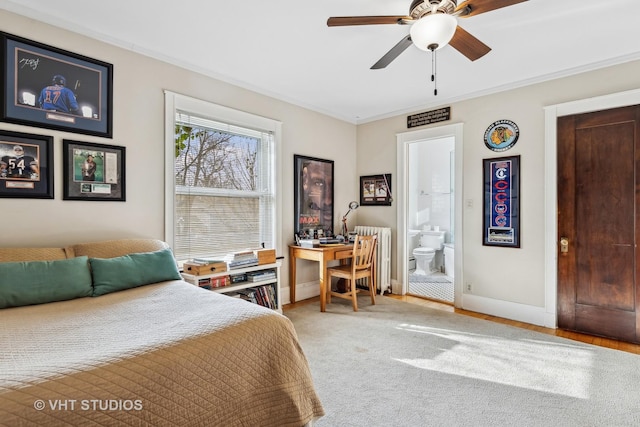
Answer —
501 202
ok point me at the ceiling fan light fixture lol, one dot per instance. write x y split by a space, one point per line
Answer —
433 31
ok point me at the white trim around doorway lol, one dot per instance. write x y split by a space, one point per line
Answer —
403 140
552 113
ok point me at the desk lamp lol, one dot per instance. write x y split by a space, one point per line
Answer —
352 206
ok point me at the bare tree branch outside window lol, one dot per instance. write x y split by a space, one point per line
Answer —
209 159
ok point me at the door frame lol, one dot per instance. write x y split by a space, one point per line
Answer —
403 140
551 113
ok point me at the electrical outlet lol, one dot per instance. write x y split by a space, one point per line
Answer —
469 289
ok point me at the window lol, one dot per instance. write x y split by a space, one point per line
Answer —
221 179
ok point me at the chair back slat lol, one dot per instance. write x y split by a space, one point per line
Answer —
362 268
363 250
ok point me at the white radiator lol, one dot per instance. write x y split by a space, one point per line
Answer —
383 263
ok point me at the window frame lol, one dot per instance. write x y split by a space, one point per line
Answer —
175 102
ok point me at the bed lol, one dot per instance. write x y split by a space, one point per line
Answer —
167 353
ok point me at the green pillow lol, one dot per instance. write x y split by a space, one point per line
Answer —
133 270
38 282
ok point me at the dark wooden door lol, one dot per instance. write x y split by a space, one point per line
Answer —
598 185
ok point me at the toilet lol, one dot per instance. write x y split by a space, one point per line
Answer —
430 242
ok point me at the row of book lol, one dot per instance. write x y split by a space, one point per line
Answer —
214 282
265 296
232 279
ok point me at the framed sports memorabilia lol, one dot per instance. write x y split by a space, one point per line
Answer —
501 135
375 190
501 201
26 165
93 171
52 88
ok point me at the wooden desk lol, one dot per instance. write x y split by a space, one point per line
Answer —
321 255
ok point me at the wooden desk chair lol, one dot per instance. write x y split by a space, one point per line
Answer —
361 267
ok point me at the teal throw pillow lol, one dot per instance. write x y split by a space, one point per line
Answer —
133 270
39 282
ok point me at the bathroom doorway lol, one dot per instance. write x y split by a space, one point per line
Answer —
429 216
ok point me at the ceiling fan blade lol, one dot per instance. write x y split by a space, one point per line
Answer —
468 45
476 7
393 53
338 21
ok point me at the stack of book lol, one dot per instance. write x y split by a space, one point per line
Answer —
241 259
309 243
258 276
238 278
330 240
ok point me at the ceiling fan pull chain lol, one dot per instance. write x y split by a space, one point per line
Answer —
433 72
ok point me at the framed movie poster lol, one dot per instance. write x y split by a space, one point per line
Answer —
52 88
93 171
26 165
375 190
501 201
313 195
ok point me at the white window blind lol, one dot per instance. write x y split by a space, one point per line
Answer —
224 186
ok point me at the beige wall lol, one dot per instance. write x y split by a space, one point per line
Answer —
138 124
498 274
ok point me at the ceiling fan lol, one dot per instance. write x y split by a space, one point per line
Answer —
433 26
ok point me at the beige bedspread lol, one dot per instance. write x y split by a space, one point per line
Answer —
163 354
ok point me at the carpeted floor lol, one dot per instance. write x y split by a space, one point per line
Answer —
401 364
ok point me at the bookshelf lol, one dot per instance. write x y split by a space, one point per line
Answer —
216 282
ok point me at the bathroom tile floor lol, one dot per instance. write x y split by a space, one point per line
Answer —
437 286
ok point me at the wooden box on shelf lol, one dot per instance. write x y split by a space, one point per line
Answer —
198 269
265 256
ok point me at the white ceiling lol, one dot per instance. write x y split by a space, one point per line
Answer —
284 49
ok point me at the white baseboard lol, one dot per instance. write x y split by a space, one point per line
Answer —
396 287
505 309
508 310
303 291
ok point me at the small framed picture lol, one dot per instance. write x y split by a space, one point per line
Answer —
93 171
375 190
26 165
52 88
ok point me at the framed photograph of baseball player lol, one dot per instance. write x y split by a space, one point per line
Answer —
93 171
26 165
52 88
